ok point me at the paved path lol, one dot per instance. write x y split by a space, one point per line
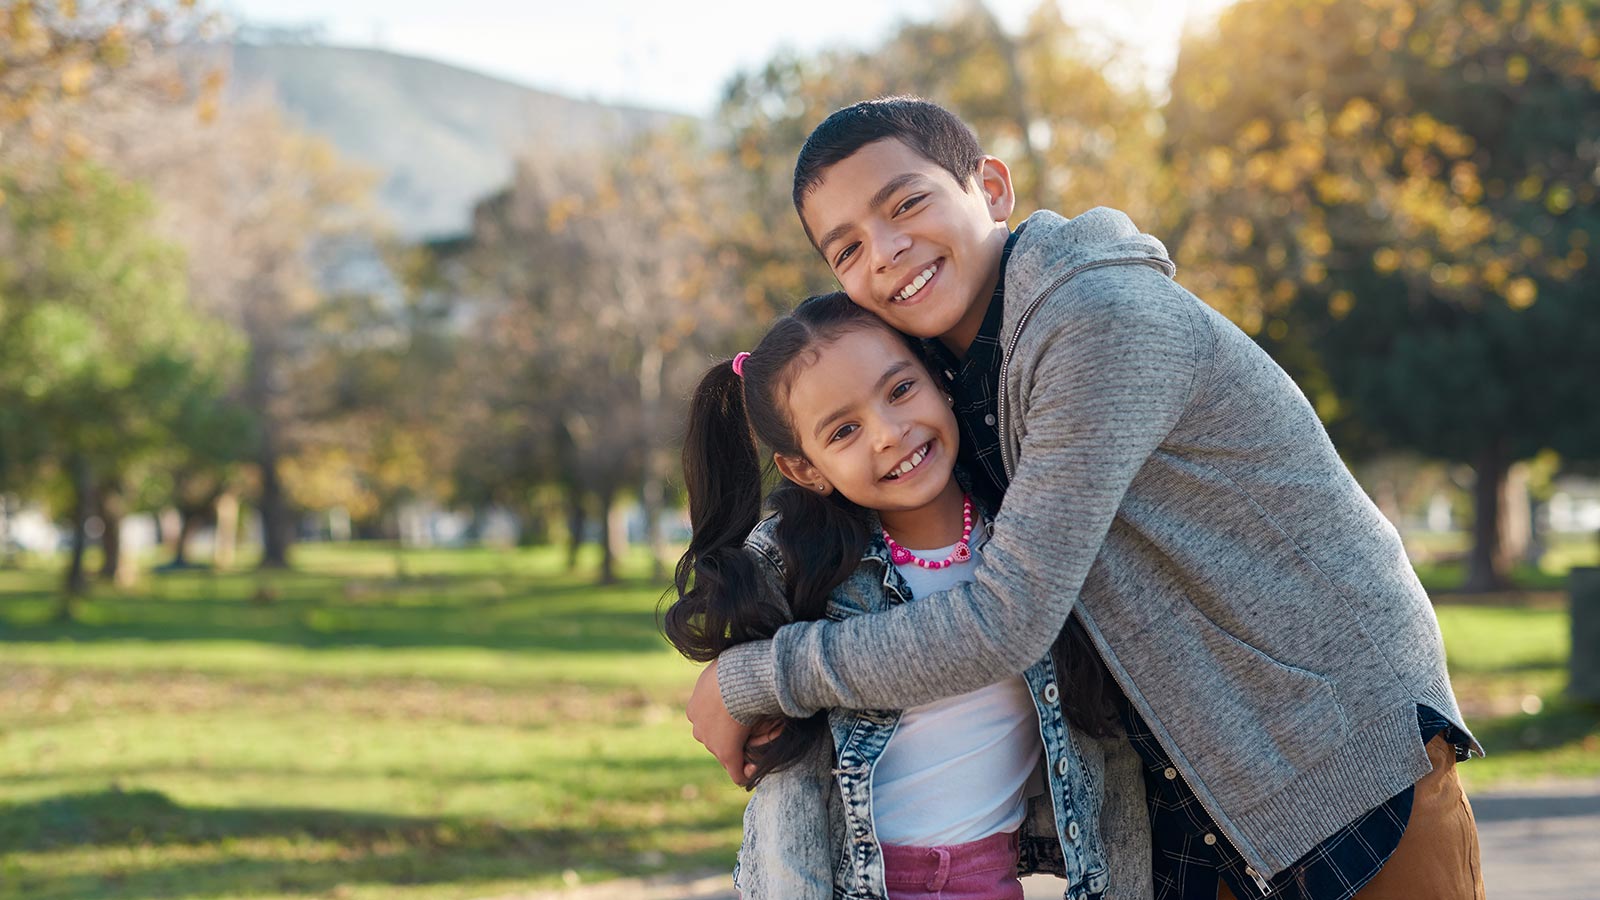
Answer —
1539 843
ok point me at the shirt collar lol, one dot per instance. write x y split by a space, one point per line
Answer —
984 353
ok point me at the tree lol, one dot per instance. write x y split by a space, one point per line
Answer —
1066 114
1396 198
55 56
590 284
98 350
258 205
209 437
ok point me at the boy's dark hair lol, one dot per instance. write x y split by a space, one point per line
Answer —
721 597
928 128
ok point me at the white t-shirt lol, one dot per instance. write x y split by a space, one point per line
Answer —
956 769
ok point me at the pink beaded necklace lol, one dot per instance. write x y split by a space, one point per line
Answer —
962 552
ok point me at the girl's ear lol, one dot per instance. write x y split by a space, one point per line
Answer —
800 471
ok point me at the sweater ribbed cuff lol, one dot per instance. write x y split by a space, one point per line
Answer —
748 682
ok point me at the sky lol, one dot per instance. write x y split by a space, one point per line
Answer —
670 55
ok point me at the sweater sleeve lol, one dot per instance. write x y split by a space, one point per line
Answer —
1115 370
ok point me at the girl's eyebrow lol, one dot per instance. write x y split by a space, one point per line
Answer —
894 369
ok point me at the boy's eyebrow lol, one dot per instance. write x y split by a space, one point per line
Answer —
883 379
878 199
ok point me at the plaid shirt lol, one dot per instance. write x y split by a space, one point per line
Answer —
974 383
1190 853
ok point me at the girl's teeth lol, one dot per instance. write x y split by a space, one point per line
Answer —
911 463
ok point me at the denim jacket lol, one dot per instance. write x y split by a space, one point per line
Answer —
1085 806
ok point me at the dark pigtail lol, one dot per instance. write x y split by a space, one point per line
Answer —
719 588
722 597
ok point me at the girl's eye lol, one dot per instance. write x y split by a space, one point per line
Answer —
910 202
844 254
843 432
901 389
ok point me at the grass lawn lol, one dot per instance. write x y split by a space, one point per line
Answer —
485 725
488 724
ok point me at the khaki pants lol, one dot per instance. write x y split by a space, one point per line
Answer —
1438 855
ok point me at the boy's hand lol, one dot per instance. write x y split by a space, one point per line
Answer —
714 727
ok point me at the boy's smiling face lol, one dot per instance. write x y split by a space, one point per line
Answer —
886 217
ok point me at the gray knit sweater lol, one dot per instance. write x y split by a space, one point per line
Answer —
1170 480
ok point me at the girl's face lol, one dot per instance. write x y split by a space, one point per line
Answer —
872 423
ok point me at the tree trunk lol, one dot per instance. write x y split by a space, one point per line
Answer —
533 521
608 538
180 540
262 388
652 492
7 557
1516 515
577 521
1017 97
115 566
275 525
227 539
169 524
1487 566
83 503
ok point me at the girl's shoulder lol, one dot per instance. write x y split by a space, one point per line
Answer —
763 542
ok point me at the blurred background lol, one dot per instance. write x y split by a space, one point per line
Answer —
343 356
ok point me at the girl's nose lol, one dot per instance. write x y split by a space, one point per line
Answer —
891 433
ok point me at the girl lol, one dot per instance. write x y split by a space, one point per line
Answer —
949 799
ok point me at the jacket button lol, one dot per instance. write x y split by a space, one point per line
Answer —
1051 693
1072 831
1062 765
1211 840
989 420
1170 773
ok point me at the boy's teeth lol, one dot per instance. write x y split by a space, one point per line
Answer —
917 283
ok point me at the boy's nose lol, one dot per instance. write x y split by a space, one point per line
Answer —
892 245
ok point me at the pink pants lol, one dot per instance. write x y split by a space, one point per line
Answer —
984 869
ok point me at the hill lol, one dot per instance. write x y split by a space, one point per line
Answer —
441 136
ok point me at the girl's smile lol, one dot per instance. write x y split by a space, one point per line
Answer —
875 426
912 464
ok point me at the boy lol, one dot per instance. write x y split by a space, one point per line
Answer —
1271 653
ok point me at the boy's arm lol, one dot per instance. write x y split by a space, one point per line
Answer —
1114 377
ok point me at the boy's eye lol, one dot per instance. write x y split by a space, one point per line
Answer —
901 389
843 432
845 254
910 202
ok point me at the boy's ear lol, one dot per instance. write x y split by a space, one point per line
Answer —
994 183
798 470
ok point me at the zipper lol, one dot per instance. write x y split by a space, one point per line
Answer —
1156 263
1118 675
1010 468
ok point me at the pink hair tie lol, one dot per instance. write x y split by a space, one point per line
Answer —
738 363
